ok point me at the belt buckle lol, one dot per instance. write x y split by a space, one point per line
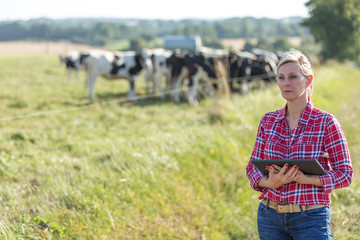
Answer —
284 208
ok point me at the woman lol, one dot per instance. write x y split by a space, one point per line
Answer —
295 205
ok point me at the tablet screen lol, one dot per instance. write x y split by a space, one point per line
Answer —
307 166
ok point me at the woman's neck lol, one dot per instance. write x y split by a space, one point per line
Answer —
296 108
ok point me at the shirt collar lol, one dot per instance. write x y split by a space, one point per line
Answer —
305 116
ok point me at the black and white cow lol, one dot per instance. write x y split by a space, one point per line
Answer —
265 65
73 62
116 65
240 70
158 70
198 69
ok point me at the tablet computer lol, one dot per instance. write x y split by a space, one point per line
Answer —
307 166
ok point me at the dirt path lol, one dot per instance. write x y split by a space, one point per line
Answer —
39 48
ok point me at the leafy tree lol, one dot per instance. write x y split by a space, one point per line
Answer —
263 43
283 29
147 37
260 28
336 25
102 32
136 44
124 31
309 46
281 44
12 31
39 31
223 30
245 28
207 34
248 46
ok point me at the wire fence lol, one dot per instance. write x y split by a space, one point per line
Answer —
123 100
117 101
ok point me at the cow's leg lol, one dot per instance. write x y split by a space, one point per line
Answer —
131 94
186 85
177 89
169 83
190 93
68 76
92 79
209 87
149 79
179 80
76 72
154 82
193 93
231 83
158 81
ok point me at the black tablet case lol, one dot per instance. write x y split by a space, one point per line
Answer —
307 166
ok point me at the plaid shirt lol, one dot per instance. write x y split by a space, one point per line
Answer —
319 135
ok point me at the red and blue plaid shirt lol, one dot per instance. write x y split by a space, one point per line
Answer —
318 135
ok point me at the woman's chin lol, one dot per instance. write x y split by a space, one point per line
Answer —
288 96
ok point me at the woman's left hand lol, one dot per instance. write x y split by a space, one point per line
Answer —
308 179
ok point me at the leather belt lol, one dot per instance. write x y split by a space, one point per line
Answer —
290 208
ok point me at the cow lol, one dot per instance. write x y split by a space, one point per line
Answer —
73 62
158 70
265 65
115 65
239 68
180 73
195 67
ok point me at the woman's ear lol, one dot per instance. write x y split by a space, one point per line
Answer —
309 80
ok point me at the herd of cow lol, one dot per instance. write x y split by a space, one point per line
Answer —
208 71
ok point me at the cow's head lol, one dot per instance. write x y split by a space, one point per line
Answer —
144 59
73 60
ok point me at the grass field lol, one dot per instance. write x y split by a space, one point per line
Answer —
151 170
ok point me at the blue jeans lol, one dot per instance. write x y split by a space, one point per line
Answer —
309 225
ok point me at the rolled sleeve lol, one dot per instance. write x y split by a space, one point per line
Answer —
341 174
328 182
253 174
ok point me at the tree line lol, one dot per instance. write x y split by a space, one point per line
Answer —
102 31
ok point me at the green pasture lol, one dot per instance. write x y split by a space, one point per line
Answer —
70 169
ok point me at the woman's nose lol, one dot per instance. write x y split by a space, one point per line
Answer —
286 81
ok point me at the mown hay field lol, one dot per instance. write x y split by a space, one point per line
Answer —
22 48
150 170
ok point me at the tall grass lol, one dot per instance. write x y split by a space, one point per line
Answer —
151 170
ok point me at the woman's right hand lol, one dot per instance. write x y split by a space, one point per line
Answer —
279 176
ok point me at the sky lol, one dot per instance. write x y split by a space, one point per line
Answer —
151 9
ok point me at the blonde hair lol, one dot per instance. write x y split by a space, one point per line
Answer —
303 62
